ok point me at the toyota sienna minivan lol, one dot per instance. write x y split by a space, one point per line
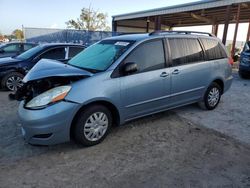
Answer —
120 79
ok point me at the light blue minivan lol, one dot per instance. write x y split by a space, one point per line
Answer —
120 79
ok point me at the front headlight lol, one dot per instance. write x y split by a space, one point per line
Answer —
50 96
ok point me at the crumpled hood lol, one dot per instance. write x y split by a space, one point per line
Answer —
8 60
50 68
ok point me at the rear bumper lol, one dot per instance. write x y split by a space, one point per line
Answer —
47 126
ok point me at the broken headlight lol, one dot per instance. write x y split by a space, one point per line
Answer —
51 96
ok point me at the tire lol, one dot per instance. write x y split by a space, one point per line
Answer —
12 81
212 97
90 131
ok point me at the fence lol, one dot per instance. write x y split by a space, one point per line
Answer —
42 35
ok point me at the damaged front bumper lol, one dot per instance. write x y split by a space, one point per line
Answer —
47 126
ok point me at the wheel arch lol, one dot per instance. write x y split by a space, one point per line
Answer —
113 109
220 82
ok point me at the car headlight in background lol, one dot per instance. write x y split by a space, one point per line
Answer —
50 96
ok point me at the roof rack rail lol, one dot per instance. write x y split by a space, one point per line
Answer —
181 32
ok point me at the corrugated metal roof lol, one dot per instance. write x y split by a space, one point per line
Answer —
205 4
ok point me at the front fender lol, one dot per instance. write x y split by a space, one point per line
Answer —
100 87
5 71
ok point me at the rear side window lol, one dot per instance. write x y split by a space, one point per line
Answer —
74 51
213 49
56 53
148 56
27 46
185 51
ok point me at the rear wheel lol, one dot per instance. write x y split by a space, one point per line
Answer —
12 81
212 97
92 125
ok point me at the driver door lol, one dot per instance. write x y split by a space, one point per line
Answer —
146 90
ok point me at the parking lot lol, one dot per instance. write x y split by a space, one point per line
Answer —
185 147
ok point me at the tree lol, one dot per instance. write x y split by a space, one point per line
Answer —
18 34
90 20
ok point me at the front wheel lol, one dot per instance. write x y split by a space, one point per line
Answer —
92 125
12 81
212 97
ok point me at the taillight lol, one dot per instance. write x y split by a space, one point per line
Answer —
230 61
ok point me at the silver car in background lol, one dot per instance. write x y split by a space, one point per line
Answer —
120 79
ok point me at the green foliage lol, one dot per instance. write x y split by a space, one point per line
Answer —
90 20
18 34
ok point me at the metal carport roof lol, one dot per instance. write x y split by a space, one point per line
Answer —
199 5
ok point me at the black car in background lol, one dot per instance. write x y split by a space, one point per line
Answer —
14 48
13 69
244 67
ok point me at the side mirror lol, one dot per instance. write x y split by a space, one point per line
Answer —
130 68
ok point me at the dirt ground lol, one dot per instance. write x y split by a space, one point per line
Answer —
164 150
231 117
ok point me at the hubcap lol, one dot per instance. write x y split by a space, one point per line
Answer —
14 82
96 126
213 97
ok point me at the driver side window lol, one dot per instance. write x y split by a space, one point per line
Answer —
148 56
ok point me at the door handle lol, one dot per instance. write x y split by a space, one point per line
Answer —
164 74
176 71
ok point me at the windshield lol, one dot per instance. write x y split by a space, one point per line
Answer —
29 53
100 56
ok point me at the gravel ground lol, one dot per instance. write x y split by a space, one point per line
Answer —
170 149
231 117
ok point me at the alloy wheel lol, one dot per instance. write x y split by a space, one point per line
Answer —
213 97
14 82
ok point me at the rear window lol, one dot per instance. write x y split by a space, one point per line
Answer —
74 51
56 53
213 49
27 47
185 51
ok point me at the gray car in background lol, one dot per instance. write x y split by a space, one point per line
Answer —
120 79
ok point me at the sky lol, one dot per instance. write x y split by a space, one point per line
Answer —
54 13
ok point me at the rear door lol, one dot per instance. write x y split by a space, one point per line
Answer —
190 73
144 91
